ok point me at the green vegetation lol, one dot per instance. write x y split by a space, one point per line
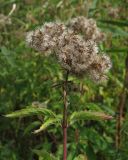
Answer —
28 82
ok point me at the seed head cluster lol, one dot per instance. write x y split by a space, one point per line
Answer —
87 27
45 38
76 53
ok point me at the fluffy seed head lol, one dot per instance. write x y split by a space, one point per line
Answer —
87 27
100 66
75 53
45 38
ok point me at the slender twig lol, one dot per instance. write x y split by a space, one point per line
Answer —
65 117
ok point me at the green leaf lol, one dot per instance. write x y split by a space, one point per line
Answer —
8 56
31 127
94 4
117 50
90 153
118 23
115 30
29 111
93 107
88 115
44 155
56 120
81 157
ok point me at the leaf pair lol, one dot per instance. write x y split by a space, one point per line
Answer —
51 118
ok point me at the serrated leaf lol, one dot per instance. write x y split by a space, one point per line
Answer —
88 115
29 111
44 155
31 127
49 122
93 107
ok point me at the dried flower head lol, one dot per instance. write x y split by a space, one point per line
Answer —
100 66
45 38
87 27
76 54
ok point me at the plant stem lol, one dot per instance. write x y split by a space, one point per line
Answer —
65 117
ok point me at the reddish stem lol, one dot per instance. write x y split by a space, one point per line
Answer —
65 143
65 118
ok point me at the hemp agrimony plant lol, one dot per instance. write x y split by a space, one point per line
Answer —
75 46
